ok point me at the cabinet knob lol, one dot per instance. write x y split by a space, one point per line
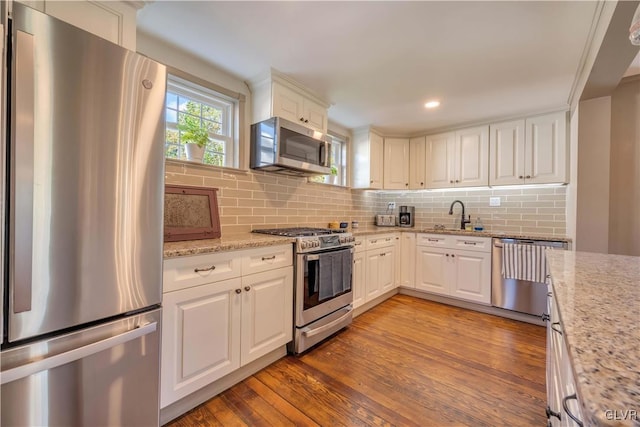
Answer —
238 291
302 119
447 254
457 180
453 255
247 288
451 182
528 176
422 183
406 184
521 177
371 182
306 120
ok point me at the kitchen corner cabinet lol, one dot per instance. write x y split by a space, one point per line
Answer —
560 382
396 164
417 163
368 152
529 151
455 266
216 320
279 95
407 260
458 159
111 20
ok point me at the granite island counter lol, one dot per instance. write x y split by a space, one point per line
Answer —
598 301
230 242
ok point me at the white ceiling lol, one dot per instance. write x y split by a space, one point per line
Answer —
379 62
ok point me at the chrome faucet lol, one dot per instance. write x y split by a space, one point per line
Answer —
463 221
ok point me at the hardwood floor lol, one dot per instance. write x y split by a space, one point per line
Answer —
407 362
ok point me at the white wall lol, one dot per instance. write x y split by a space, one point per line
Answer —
572 187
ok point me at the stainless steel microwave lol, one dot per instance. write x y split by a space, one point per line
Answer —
278 145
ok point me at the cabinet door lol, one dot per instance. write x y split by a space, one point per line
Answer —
111 20
358 281
376 160
373 283
287 104
417 163
386 269
471 278
546 149
432 270
408 260
471 157
440 152
200 337
315 116
267 312
396 163
506 153
397 261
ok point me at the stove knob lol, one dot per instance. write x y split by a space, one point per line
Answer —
316 243
303 245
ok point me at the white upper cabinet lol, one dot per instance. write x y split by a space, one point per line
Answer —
111 20
458 159
396 163
277 95
529 151
546 149
417 163
440 150
368 152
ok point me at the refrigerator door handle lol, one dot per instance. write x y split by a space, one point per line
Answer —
23 181
75 354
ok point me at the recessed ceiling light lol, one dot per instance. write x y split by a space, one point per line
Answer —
432 104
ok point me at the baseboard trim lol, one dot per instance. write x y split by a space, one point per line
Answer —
198 397
514 315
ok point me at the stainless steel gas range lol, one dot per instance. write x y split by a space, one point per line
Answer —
322 289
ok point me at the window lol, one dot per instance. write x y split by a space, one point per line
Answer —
338 163
189 107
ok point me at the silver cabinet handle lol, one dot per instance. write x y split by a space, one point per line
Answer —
373 241
75 354
22 145
198 270
471 243
565 406
433 240
387 240
268 258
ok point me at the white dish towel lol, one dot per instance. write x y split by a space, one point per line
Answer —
524 262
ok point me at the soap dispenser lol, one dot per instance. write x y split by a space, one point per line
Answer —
478 225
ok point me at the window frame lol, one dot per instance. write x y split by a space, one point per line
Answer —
211 94
343 165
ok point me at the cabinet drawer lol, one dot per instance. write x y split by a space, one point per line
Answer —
469 243
359 244
433 240
380 241
186 272
269 258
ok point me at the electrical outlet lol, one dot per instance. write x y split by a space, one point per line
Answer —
494 201
391 205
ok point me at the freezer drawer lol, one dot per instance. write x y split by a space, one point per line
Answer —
107 375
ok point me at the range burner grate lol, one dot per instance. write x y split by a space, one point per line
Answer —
299 231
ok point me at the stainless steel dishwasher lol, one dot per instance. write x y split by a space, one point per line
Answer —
513 294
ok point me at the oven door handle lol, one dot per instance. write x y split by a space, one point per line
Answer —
312 332
312 257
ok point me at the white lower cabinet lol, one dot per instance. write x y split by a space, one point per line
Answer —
267 312
380 265
407 263
442 268
563 407
358 274
211 329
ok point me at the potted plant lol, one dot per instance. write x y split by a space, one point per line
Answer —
333 178
195 138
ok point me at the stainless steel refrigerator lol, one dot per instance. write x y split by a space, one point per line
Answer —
83 239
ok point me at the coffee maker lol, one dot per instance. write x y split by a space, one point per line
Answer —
407 216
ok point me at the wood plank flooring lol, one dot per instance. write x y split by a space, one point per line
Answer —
406 362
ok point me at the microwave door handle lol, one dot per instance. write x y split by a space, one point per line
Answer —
324 153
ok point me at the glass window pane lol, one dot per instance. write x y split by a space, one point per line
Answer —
172 136
172 100
213 127
211 113
171 116
190 106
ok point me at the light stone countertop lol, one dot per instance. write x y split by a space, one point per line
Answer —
598 299
231 242
378 230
